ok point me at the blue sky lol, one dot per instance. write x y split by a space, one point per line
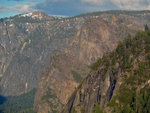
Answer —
68 7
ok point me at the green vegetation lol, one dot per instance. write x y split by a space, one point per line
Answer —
73 110
19 104
97 109
96 64
47 97
146 28
132 57
131 102
82 110
126 52
77 77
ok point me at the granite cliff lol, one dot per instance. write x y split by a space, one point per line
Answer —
53 54
26 43
100 33
119 82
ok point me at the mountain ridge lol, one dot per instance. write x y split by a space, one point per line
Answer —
28 45
95 37
119 82
28 41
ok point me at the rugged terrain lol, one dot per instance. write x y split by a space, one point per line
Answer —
100 33
26 43
56 52
119 82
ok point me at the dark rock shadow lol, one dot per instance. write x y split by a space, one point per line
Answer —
2 100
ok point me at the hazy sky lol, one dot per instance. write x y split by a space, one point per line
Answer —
68 7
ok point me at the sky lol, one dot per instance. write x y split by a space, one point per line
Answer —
68 7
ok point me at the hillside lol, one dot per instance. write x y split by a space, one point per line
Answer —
53 54
18 104
26 43
119 82
66 69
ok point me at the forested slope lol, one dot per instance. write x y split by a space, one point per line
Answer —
119 82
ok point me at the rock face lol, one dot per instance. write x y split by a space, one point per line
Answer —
26 43
118 82
99 34
94 90
64 47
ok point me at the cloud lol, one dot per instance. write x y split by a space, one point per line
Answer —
57 0
2 8
132 4
122 4
61 7
96 2
15 0
21 8
74 7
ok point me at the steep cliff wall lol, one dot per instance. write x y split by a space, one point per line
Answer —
97 35
119 82
26 43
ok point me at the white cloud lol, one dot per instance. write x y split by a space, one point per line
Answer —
132 4
122 4
56 0
96 2
74 7
22 8
2 8
18 8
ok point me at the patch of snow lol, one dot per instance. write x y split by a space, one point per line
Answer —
96 16
37 16
28 14
32 15
10 25
27 30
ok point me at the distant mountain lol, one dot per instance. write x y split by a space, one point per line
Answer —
99 34
26 43
119 82
53 54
